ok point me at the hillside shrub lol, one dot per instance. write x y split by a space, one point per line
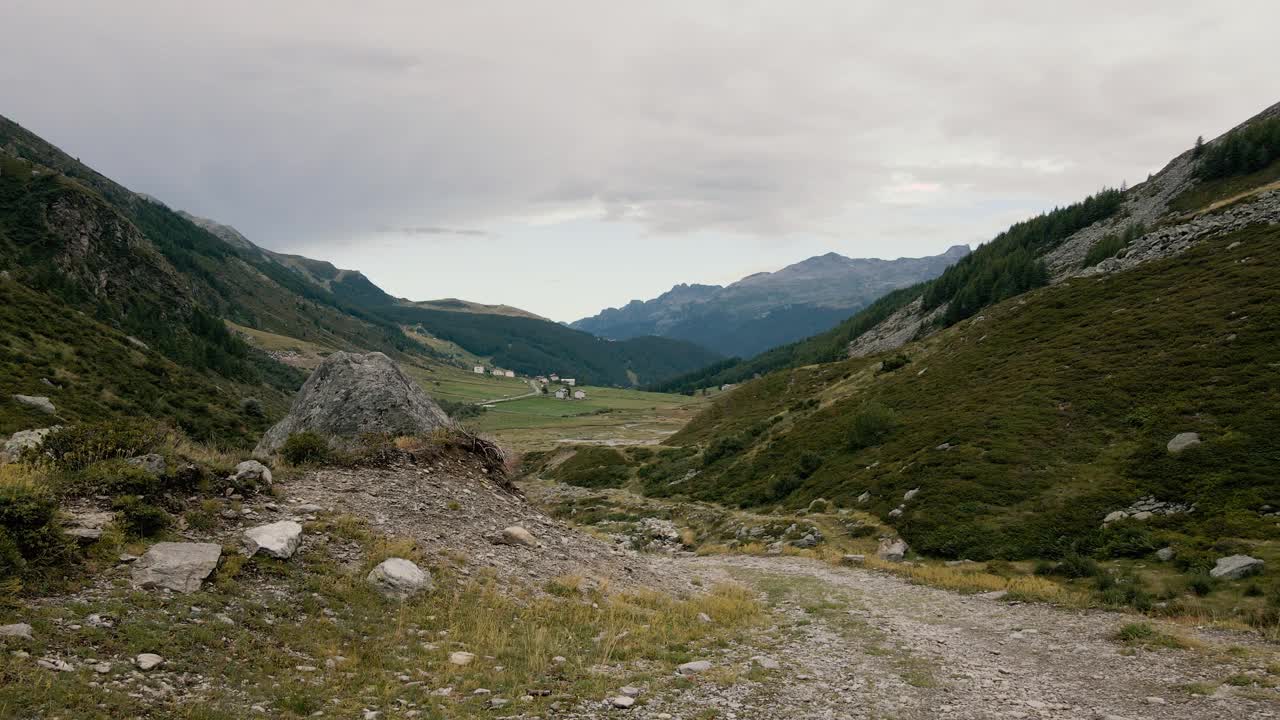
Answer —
872 424
78 446
29 532
595 467
306 448
139 517
809 463
1113 244
114 477
894 362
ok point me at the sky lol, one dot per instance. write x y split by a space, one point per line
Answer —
569 156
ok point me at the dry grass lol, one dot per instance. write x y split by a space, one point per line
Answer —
973 580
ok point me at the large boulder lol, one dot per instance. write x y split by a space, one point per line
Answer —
351 395
1234 567
892 549
1182 441
180 567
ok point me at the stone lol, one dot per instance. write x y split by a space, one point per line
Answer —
516 535
22 441
864 497
148 661
766 663
896 512
1164 554
399 577
630 691
38 402
892 550
176 566
910 494
1143 515
350 395
1235 567
152 464
252 471
1182 441
853 559
22 631
1114 516
704 618
993 595
102 668
622 702
693 668
279 539
461 658
50 663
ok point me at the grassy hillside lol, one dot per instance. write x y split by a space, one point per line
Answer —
94 372
530 346
1051 411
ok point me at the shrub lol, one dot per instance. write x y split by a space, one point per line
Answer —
115 477
1130 538
29 533
809 463
139 517
1202 584
894 362
872 424
78 446
252 407
306 448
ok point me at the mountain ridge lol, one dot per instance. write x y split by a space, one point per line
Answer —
767 309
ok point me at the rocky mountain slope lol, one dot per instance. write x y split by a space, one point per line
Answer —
768 309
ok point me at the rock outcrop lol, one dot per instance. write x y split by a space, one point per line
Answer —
279 539
351 395
22 441
397 577
41 403
1235 567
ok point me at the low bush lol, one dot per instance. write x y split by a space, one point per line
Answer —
306 448
29 534
872 424
139 517
79 446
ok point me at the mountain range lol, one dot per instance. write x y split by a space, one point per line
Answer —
768 309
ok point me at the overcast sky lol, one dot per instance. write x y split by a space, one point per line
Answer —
568 156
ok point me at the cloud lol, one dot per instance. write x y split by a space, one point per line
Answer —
307 125
429 230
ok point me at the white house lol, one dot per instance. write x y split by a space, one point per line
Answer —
497 372
510 373
555 377
562 393
579 394
479 369
570 382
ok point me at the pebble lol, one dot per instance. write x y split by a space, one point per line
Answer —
147 661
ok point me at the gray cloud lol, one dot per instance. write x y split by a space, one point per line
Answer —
306 127
429 230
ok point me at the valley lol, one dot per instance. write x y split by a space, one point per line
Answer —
1038 478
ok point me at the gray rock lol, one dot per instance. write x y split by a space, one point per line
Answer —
1182 441
16 630
350 395
892 550
622 702
399 578
22 441
147 661
516 535
853 559
39 402
630 691
693 668
864 497
910 493
180 567
1235 567
252 471
766 663
152 464
896 512
1164 554
461 658
279 539
1114 516
1143 515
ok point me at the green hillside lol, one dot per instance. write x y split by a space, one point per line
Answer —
1051 412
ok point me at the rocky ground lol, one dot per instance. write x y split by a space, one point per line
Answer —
853 643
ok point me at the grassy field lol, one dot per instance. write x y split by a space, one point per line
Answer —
608 415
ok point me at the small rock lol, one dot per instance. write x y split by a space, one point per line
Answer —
704 618
630 691
180 567
102 668
252 471
16 630
893 550
516 535
766 663
622 702
147 661
1182 441
693 668
279 539
50 663
1164 554
910 493
399 577
461 658
1235 567
152 464
853 559
38 402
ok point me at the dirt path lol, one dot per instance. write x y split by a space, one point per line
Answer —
858 644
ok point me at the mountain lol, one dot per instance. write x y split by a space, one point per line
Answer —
1036 388
765 310
74 241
